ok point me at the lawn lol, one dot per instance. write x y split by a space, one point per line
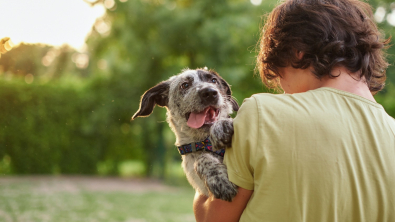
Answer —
89 199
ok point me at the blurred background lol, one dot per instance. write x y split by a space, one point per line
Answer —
71 77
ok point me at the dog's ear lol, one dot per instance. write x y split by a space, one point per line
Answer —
235 106
157 95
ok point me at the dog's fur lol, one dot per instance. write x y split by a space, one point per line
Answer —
204 170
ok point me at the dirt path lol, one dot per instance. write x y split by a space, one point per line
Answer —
50 184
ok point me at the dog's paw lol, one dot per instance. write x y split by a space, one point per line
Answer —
222 188
221 134
214 174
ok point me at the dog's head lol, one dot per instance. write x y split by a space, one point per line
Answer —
195 99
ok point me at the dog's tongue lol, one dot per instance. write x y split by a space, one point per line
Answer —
196 120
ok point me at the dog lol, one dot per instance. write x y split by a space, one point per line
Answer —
199 103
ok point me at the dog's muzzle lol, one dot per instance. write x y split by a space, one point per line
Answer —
208 96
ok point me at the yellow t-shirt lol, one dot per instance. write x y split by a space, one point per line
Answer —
322 155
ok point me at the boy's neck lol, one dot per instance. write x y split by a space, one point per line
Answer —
349 82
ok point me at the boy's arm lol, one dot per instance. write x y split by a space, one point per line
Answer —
208 209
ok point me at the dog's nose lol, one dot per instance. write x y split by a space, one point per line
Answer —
208 95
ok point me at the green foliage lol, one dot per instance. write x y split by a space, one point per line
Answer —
39 60
55 128
149 41
387 99
22 60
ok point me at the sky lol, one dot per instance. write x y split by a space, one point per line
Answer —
53 22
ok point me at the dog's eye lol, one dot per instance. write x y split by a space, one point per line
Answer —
184 85
214 80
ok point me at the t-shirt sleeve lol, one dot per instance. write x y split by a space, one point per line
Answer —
238 157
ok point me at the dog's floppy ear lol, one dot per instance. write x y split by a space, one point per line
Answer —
235 106
158 95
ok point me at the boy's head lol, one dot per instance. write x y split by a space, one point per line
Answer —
329 33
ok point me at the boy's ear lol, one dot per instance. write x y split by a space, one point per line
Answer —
158 95
235 106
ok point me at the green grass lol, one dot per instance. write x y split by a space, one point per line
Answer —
25 200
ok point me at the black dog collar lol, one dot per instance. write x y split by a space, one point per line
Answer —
199 146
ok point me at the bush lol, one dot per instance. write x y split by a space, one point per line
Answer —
58 128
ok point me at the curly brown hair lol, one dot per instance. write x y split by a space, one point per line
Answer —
330 33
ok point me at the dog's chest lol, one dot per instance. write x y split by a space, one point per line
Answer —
188 164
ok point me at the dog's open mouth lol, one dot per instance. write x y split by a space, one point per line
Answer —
197 119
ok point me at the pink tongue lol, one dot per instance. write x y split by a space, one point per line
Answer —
196 120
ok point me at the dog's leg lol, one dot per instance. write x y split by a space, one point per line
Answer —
213 172
221 133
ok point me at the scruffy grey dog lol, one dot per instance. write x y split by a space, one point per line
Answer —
198 104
